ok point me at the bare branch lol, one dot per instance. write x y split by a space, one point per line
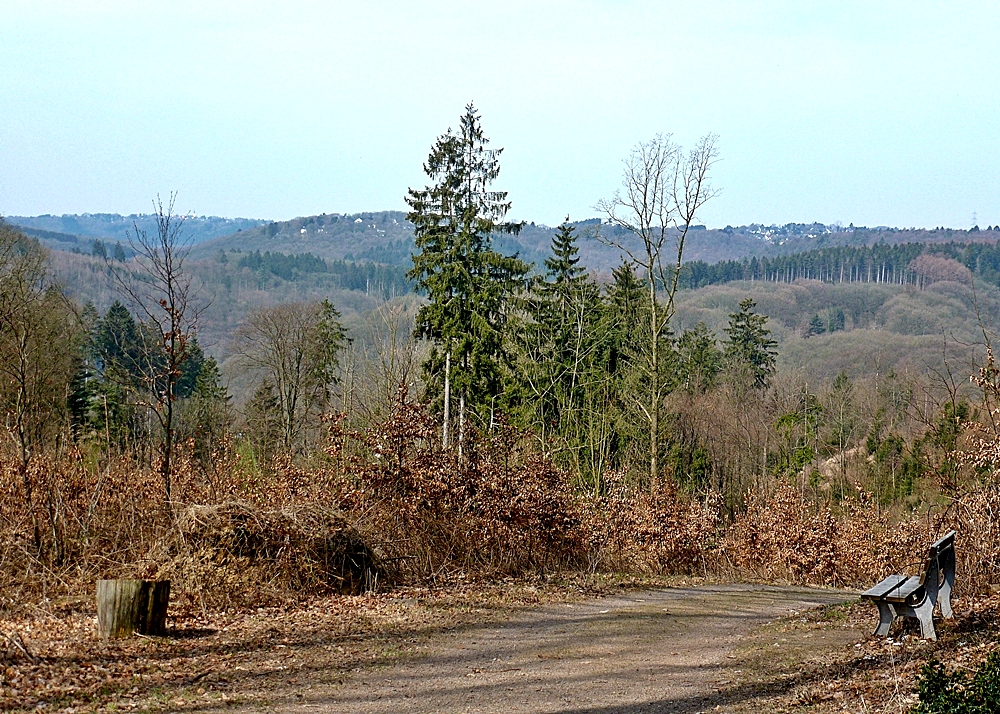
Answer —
157 288
662 191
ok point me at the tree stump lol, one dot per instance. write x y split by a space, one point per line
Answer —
127 607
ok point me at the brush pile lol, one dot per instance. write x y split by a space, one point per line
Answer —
236 554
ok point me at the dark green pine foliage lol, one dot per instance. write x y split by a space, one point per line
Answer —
699 360
556 344
614 420
566 279
187 381
330 339
118 345
112 373
80 399
122 366
837 320
578 369
205 414
469 285
622 315
816 326
749 347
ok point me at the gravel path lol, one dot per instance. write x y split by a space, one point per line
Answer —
655 651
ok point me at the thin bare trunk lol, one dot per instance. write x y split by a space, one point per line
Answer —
447 398
461 424
654 378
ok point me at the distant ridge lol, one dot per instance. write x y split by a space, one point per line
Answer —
379 237
63 241
386 237
115 227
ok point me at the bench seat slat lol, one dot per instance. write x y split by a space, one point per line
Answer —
904 591
884 588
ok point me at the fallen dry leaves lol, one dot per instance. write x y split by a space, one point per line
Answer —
222 657
827 661
820 661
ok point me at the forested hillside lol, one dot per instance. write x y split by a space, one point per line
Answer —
841 307
73 230
231 284
386 237
342 403
823 329
899 264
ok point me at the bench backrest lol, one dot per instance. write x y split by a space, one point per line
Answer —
943 543
940 561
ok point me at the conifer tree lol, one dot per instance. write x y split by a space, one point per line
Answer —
699 359
467 283
816 326
562 268
750 346
556 343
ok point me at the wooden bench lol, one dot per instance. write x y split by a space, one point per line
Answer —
916 595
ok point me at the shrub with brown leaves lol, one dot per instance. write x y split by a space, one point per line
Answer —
975 515
651 530
784 537
499 510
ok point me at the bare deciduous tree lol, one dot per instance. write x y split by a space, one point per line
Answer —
385 360
39 341
293 348
160 292
662 190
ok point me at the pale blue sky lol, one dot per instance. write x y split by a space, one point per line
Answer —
872 113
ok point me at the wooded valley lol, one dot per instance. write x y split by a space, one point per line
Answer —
265 425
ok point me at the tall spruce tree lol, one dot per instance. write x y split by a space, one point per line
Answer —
467 283
699 359
750 348
556 346
565 276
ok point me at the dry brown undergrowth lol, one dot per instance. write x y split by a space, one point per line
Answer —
390 507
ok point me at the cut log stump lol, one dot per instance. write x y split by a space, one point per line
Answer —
127 607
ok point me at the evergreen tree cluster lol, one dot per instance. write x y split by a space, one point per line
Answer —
566 359
385 280
578 378
120 365
880 263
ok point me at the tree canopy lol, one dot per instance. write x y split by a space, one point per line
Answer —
467 282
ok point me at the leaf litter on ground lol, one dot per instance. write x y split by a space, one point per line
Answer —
818 661
242 655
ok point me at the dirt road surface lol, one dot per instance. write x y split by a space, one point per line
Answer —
667 650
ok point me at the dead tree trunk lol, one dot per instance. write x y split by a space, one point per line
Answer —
127 607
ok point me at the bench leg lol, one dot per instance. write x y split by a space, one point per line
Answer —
926 618
946 562
885 617
944 599
924 613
